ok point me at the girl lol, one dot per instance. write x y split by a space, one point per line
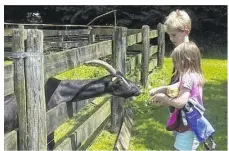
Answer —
186 60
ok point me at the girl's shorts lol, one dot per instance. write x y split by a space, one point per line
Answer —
186 141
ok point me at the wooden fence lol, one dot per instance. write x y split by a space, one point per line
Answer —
130 51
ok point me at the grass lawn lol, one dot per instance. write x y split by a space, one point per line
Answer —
148 132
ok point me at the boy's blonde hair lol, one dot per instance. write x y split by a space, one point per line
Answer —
178 20
187 58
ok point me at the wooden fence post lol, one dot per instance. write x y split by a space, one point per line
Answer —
19 85
119 62
91 38
36 106
161 45
145 55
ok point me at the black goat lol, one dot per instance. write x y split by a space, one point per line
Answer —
58 91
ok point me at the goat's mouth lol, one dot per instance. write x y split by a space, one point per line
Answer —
137 93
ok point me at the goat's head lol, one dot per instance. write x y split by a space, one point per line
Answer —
118 85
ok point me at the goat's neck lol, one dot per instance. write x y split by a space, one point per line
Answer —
76 90
93 88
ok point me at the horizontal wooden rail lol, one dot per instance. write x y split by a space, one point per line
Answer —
133 39
133 31
102 31
153 34
47 33
63 112
59 62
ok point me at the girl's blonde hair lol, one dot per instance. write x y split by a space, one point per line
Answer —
187 58
178 20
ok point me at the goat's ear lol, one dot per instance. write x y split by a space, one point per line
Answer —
115 80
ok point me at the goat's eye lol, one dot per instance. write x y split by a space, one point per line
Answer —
118 90
117 82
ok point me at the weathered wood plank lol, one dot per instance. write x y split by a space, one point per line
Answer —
37 131
153 34
131 40
8 79
145 55
130 64
123 139
10 141
96 133
153 50
161 45
65 32
139 37
8 32
64 44
91 37
62 113
86 129
102 31
19 86
119 63
133 31
62 61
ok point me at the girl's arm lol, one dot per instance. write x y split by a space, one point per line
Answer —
162 89
181 100
178 102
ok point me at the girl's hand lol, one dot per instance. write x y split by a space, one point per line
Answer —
153 91
159 99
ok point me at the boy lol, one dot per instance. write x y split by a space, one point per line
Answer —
178 27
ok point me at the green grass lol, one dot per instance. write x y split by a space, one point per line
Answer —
148 131
105 141
149 128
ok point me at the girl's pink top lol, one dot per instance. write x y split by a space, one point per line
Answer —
190 81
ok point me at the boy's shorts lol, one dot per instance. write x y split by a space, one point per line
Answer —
186 141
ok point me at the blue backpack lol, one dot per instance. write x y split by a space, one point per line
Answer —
198 123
